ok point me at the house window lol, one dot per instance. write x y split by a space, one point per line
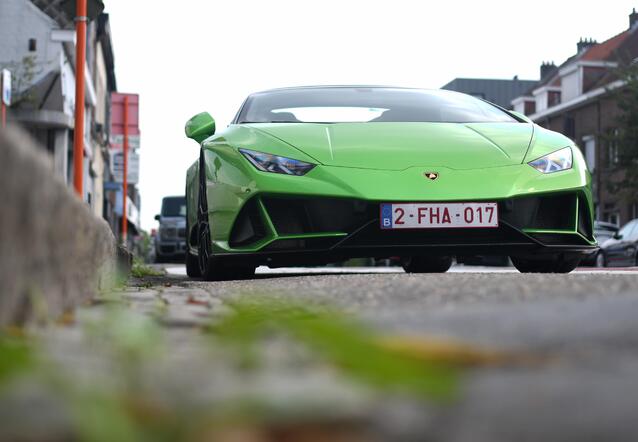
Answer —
33 45
612 154
590 152
611 214
553 98
612 149
613 217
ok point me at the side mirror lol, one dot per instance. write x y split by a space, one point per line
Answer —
157 217
200 127
617 235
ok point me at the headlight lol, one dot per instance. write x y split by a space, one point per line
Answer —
554 162
272 163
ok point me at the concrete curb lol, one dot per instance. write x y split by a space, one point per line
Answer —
54 253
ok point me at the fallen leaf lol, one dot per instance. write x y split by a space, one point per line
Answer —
451 352
194 301
67 319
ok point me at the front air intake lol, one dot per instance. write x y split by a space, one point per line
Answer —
249 226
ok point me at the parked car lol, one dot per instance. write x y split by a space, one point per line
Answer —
314 175
602 232
170 243
621 250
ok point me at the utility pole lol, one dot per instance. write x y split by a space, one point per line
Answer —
80 62
83 10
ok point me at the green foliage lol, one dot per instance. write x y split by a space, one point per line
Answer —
23 74
124 409
141 270
339 340
103 418
626 138
144 246
15 357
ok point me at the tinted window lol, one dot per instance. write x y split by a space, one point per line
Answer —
627 229
377 104
174 206
633 235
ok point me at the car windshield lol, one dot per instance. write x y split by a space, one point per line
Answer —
367 105
174 206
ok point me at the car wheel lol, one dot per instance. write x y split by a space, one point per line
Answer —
209 267
600 260
557 264
212 268
426 264
192 266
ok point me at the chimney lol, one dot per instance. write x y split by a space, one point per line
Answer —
547 69
633 18
585 43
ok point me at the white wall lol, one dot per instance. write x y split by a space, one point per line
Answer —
572 85
20 21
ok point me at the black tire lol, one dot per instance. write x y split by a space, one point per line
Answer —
212 268
192 266
427 264
191 261
555 264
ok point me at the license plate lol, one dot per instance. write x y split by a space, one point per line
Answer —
439 215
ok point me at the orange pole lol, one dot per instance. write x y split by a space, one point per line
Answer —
80 62
125 172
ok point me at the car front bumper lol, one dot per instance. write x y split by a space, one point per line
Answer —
332 213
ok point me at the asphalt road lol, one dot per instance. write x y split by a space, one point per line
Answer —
585 325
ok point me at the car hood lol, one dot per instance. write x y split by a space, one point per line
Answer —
398 146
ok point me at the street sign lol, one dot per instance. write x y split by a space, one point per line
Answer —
6 87
117 166
117 114
132 212
117 142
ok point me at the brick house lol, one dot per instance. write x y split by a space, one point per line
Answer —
576 99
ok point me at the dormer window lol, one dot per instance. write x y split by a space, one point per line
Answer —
524 105
553 98
546 97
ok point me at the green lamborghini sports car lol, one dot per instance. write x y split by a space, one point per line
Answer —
315 175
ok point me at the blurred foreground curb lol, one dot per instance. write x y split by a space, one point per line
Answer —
54 253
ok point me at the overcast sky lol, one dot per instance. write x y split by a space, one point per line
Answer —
194 55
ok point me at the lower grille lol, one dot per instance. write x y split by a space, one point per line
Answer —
585 222
168 233
559 239
373 235
293 216
552 212
359 220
